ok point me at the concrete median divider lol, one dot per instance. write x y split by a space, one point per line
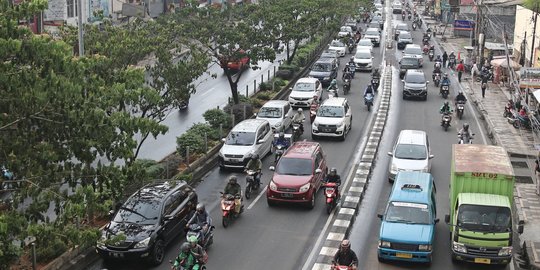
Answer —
352 197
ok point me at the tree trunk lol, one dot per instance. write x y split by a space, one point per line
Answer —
289 59
233 84
296 42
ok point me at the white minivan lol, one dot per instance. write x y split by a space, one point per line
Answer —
251 136
305 90
410 153
278 113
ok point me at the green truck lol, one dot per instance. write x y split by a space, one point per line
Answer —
481 190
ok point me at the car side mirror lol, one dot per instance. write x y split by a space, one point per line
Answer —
427 82
223 139
272 168
261 141
402 80
431 156
168 217
318 171
290 88
436 220
390 154
447 219
380 216
111 214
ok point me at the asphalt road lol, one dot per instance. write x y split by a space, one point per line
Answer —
421 115
278 237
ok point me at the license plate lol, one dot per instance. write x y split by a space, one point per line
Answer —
286 195
482 260
404 255
116 255
234 160
326 130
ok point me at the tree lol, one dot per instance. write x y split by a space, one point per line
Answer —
226 36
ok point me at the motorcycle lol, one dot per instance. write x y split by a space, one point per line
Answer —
297 131
445 121
351 47
351 69
403 16
333 92
425 49
368 100
330 193
452 63
227 208
414 26
201 263
445 90
431 54
205 240
375 84
460 108
437 79
253 182
519 121
409 16
425 41
346 86
465 138
508 110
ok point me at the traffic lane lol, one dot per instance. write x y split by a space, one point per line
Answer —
211 93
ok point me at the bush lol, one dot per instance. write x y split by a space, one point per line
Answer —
291 67
192 140
202 128
184 177
278 82
264 95
152 168
257 103
265 86
215 117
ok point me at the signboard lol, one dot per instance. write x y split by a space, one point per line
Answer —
529 78
463 25
56 10
99 9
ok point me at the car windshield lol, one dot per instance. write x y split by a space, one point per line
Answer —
345 29
337 43
484 218
269 112
409 61
365 42
415 78
411 213
413 50
362 55
240 138
320 67
140 210
372 32
373 24
405 35
331 111
304 87
411 151
294 166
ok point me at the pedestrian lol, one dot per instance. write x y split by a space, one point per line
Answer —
484 86
474 71
444 59
537 174
460 68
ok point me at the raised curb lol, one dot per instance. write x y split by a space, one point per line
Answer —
352 197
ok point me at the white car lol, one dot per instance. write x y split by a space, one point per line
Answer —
251 136
305 90
364 44
379 6
363 60
338 46
333 119
414 50
345 30
410 153
278 113
374 35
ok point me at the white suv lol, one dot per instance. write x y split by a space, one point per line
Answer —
411 153
374 35
363 60
334 119
305 91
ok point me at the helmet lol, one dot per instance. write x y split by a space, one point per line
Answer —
200 207
446 103
281 135
333 171
352 58
452 52
345 244
233 179
185 247
254 156
193 239
300 110
466 126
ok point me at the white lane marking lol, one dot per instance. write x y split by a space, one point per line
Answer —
258 197
319 239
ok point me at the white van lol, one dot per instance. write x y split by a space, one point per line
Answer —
410 153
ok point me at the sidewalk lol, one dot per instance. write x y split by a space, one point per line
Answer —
517 142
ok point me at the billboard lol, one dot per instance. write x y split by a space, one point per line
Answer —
463 25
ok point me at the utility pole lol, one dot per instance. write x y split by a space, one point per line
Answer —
532 47
510 68
81 33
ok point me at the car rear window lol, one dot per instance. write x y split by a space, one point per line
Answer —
269 112
240 138
321 67
413 50
336 43
405 35
409 61
372 32
294 166
410 151
365 42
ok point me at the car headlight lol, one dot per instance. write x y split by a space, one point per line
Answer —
342 124
277 125
144 243
459 247
316 124
505 251
272 186
304 188
393 168
424 247
326 78
426 168
384 244
221 154
101 240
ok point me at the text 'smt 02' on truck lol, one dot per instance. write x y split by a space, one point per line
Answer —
481 190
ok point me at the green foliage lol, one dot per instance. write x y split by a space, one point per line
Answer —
189 140
265 86
257 103
152 168
532 5
184 177
201 129
278 82
291 67
265 95
217 117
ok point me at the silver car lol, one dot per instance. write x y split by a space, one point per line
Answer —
278 113
410 153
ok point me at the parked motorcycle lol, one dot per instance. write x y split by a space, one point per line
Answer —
297 131
330 193
508 109
465 138
445 90
253 182
368 100
346 86
519 121
205 240
445 121
460 108
375 84
227 209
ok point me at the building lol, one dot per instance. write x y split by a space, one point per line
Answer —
523 31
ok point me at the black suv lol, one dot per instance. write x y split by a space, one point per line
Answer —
408 62
325 69
145 224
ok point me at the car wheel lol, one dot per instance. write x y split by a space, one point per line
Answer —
342 138
380 259
311 203
314 137
270 203
225 221
158 252
425 97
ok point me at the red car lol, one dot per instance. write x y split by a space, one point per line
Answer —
298 175
238 64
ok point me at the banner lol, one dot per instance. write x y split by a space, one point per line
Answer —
529 78
463 25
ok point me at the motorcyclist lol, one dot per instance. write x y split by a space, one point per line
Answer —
350 67
281 140
464 132
445 109
369 89
195 248
432 48
445 80
234 189
376 74
201 217
186 259
452 59
460 97
333 177
255 164
345 255
438 62
299 118
333 84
